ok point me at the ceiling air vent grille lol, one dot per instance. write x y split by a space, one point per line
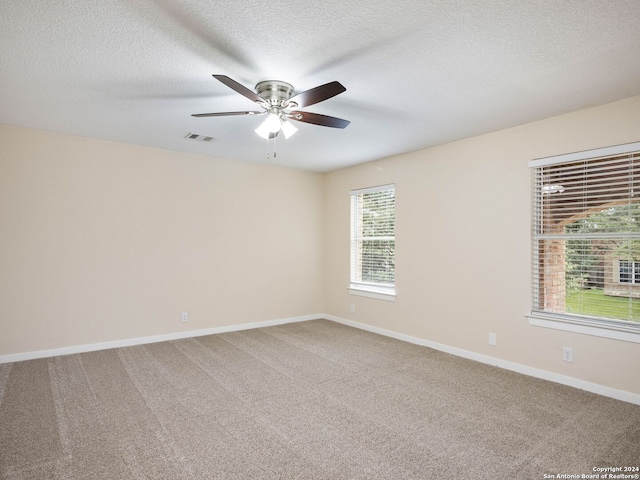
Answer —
195 136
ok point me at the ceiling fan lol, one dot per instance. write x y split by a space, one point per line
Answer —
277 99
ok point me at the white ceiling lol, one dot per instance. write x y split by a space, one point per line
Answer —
418 73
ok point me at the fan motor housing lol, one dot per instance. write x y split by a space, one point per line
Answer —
274 92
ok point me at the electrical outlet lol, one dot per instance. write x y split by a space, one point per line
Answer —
493 339
184 317
353 308
567 354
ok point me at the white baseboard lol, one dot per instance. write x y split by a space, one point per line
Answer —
507 365
18 357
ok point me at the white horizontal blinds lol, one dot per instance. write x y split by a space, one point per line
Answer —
373 236
586 236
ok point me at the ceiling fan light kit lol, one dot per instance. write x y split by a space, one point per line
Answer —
271 125
277 99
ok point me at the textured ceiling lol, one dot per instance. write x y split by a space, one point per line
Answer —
418 73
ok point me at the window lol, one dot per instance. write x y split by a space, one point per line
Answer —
373 242
629 272
586 242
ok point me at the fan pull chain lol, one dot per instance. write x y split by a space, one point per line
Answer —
275 139
275 154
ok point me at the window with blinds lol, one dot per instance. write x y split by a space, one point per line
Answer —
586 238
373 240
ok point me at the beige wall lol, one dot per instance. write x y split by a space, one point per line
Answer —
463 245
102 241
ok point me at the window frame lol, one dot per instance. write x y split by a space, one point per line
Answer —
584 324
377 290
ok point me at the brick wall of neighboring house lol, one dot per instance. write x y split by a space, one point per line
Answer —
551 296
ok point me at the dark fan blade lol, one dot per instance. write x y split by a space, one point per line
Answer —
241 89
318 94
317 119
225 114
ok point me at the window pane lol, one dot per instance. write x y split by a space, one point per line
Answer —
625 272
373 237
378 261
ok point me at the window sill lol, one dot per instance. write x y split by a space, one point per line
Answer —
386 294
584 326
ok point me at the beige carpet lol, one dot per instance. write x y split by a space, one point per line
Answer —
312 400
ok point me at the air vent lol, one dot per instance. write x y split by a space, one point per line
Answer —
195 136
